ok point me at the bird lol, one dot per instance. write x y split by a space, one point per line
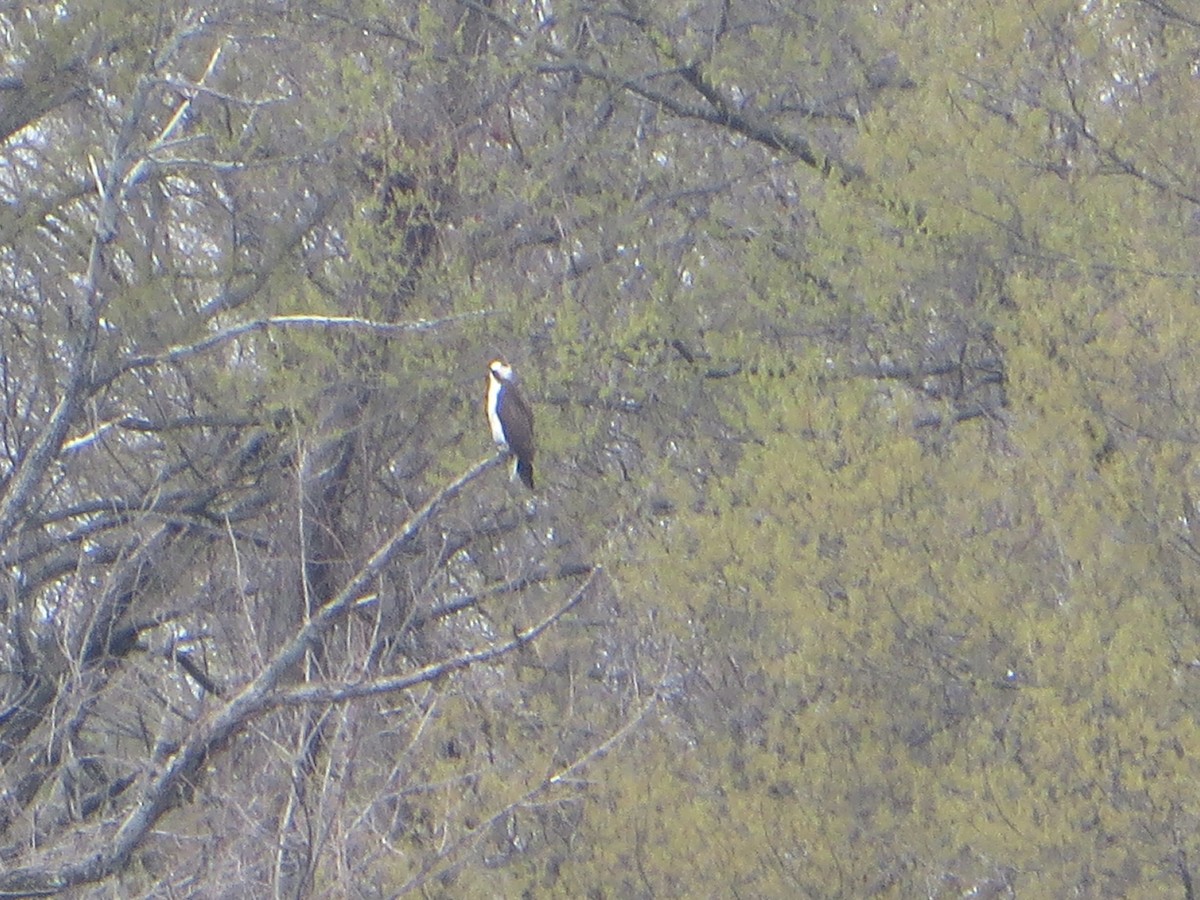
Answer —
511 418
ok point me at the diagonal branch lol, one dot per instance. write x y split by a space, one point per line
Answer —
339 693
566 774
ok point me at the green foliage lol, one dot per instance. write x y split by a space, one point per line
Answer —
934 667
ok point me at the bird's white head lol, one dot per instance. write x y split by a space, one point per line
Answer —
500 370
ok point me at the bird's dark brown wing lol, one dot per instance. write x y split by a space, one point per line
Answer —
517 417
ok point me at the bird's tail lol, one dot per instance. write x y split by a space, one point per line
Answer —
524 470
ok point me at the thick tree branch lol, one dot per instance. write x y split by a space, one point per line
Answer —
181 352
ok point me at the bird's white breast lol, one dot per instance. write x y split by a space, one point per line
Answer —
493 411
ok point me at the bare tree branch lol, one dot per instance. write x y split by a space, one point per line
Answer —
260 695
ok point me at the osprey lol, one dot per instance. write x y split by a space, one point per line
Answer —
511 418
